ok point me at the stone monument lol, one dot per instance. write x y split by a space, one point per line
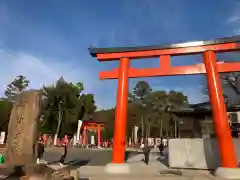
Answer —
23 129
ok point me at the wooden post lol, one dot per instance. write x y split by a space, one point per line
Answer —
84 141
23 129
99 135
142 127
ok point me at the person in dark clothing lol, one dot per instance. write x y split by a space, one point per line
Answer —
146 152
40 149
161 147
63 157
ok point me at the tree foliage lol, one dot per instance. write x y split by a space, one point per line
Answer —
63 100
66 100
151 105
141 90
19 84
5 112
230 80
107 115
230 84
231 87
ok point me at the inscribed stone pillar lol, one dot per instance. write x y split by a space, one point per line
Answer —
23 129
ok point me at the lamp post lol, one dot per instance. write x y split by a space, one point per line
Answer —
175 128
179 131
152 109
143 105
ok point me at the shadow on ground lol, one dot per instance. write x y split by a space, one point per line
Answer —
164 160
129 154
15 172
76 164
83 157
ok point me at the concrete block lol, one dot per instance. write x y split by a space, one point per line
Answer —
197 153
117 168
228 173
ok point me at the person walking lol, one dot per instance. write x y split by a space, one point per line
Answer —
146 152
40 149
161 147
65 146
63 157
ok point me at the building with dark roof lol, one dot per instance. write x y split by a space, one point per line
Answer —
94 118
196 120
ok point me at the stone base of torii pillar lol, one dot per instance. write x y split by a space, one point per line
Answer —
117 168
228 173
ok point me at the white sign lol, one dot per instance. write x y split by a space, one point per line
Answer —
150 141
135 134
92 140
130 142
78 130
238 116
2 137
74 140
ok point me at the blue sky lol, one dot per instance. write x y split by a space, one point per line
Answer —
46 39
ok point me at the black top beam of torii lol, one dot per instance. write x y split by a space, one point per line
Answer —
94 51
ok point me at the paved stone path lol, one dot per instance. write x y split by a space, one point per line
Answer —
140 171
155 170
95 168
90 157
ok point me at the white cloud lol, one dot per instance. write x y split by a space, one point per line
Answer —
234 19
195 94
39 70
45 71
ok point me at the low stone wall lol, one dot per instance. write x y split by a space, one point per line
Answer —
196 153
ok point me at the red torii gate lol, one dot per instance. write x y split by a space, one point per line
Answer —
210 67
92 125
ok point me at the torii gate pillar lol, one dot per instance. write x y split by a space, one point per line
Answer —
219 111
119 141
